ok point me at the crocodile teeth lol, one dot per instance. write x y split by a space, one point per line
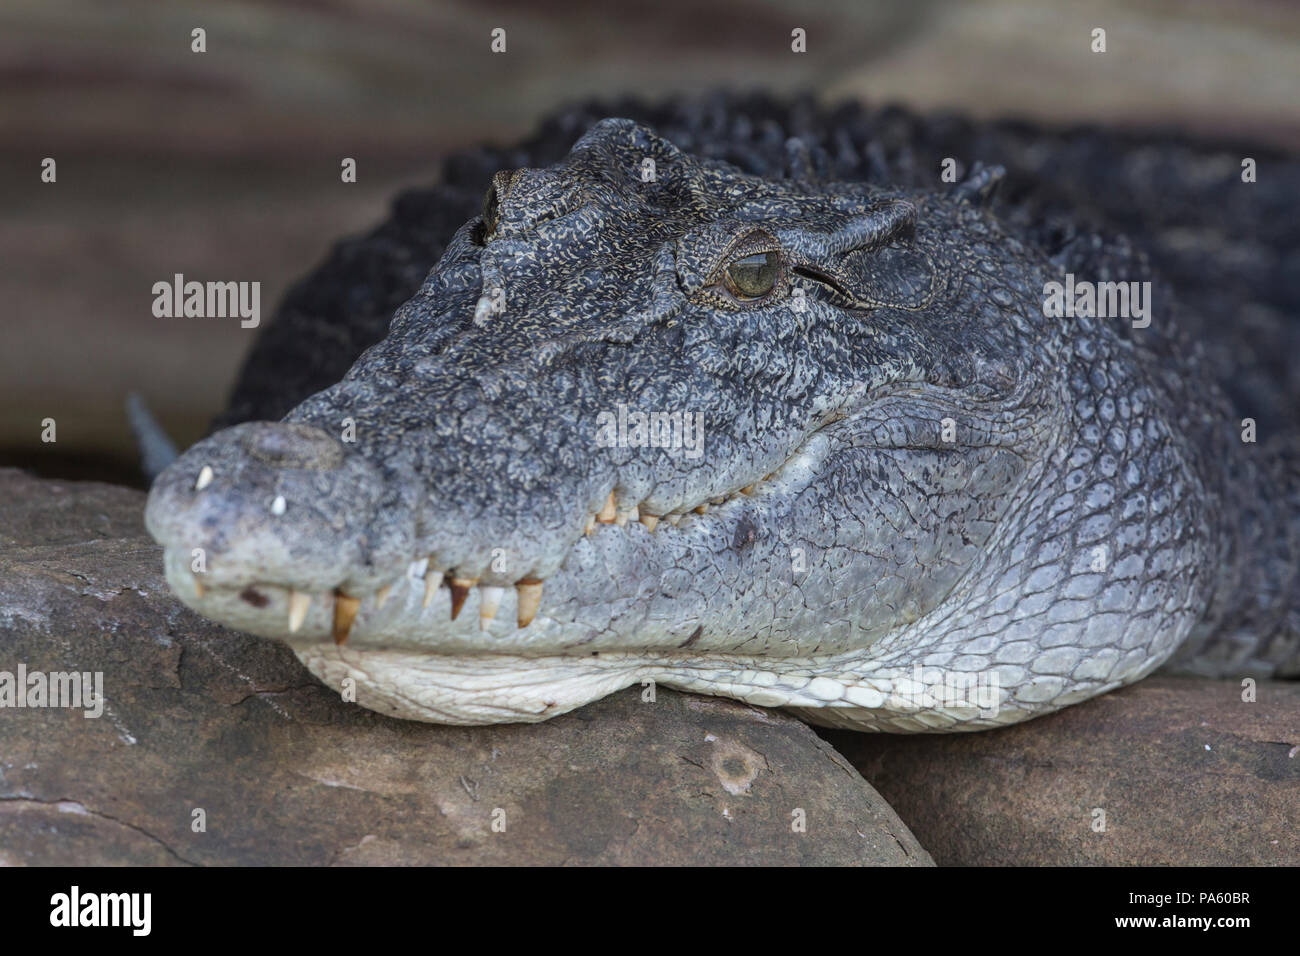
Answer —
299 601
459 591
607 513
198 586
673 519
489 599
432 581
205 478
702 510
529 592
623 517
747 490
345 612
591 524
382 595
650 521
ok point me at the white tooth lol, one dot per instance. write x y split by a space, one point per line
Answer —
205 478
672 519
432 582
623 517
299 601
489 599
417 568
277 506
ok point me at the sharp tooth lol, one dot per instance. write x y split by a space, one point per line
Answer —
278 505
299 601
702 510
529 592
345 612
417 568
718 501
747 490
432 581
198 585
673 519
607 513
489 599
624 517
650 521
205 478
591 524
382 595
459 591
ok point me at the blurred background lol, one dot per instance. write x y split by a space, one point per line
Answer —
224 165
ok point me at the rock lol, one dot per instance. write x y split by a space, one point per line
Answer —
1185 772
205 725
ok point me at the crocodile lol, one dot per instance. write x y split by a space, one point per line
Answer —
732 405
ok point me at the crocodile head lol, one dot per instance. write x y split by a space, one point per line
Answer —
650 419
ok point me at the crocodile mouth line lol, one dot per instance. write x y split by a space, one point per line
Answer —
423 588
279 610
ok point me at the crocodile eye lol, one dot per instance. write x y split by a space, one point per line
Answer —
753 277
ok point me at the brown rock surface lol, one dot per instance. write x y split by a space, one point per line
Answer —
201 718
1186 772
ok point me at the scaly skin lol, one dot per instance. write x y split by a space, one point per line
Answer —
911 473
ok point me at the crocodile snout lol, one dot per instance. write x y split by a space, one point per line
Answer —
278 505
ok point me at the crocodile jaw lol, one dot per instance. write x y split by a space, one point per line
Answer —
854 690
404 653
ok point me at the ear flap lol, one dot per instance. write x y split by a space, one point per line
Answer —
898 276
868 260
